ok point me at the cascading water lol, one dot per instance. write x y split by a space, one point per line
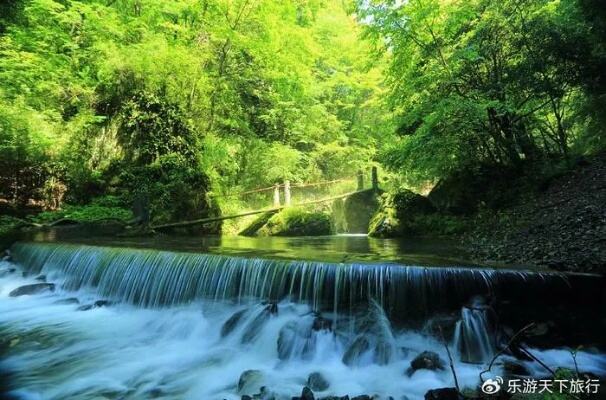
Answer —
474 337
152 278
139 324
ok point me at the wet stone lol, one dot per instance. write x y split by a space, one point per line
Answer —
250 381
307 394
272 308
443 394
71 300
96 304
32 289
426 360
320 323
231 323
355 350
6 272
41 278
253 329
317 382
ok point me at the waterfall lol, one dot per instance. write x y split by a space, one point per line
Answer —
474 334
152 278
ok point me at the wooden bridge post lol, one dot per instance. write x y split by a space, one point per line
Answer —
375 178
287 193
360 180
276 195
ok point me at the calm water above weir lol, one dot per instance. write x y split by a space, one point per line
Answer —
218 319
334 249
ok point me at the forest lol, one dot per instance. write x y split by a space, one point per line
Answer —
186 102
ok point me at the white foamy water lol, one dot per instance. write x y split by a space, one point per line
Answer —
178 352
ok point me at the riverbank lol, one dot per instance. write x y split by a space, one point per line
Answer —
561 226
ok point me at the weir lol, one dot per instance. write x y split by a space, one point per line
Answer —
143 323
152 278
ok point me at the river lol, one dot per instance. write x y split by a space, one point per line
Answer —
219 318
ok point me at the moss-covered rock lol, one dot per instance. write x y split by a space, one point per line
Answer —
259 222
297 222
406 213
359 209
398 214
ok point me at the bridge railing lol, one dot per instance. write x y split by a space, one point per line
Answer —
289 193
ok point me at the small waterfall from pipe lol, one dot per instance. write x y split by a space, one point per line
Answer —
474 334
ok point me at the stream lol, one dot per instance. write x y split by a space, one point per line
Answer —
223 318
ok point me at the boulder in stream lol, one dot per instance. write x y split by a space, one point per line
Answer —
320 323
96 304
250 381
69 300
34 288
316 381
231 323
443 394
426 360
253 329
6 272
307 394
357 348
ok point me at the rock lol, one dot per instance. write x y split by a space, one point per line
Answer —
357 348
252 330
231 323
362 397
6 272
401 214
253 228
442 326
307 394
246 397
359 209
297 222
295 340
155 393
265 394
317 382
272 308
41 278
320 323
32 289
442 394
250 381
426 360
515 369
70 300
96 304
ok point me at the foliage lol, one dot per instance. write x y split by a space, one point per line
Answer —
8 224
232 95
489 82
89 213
